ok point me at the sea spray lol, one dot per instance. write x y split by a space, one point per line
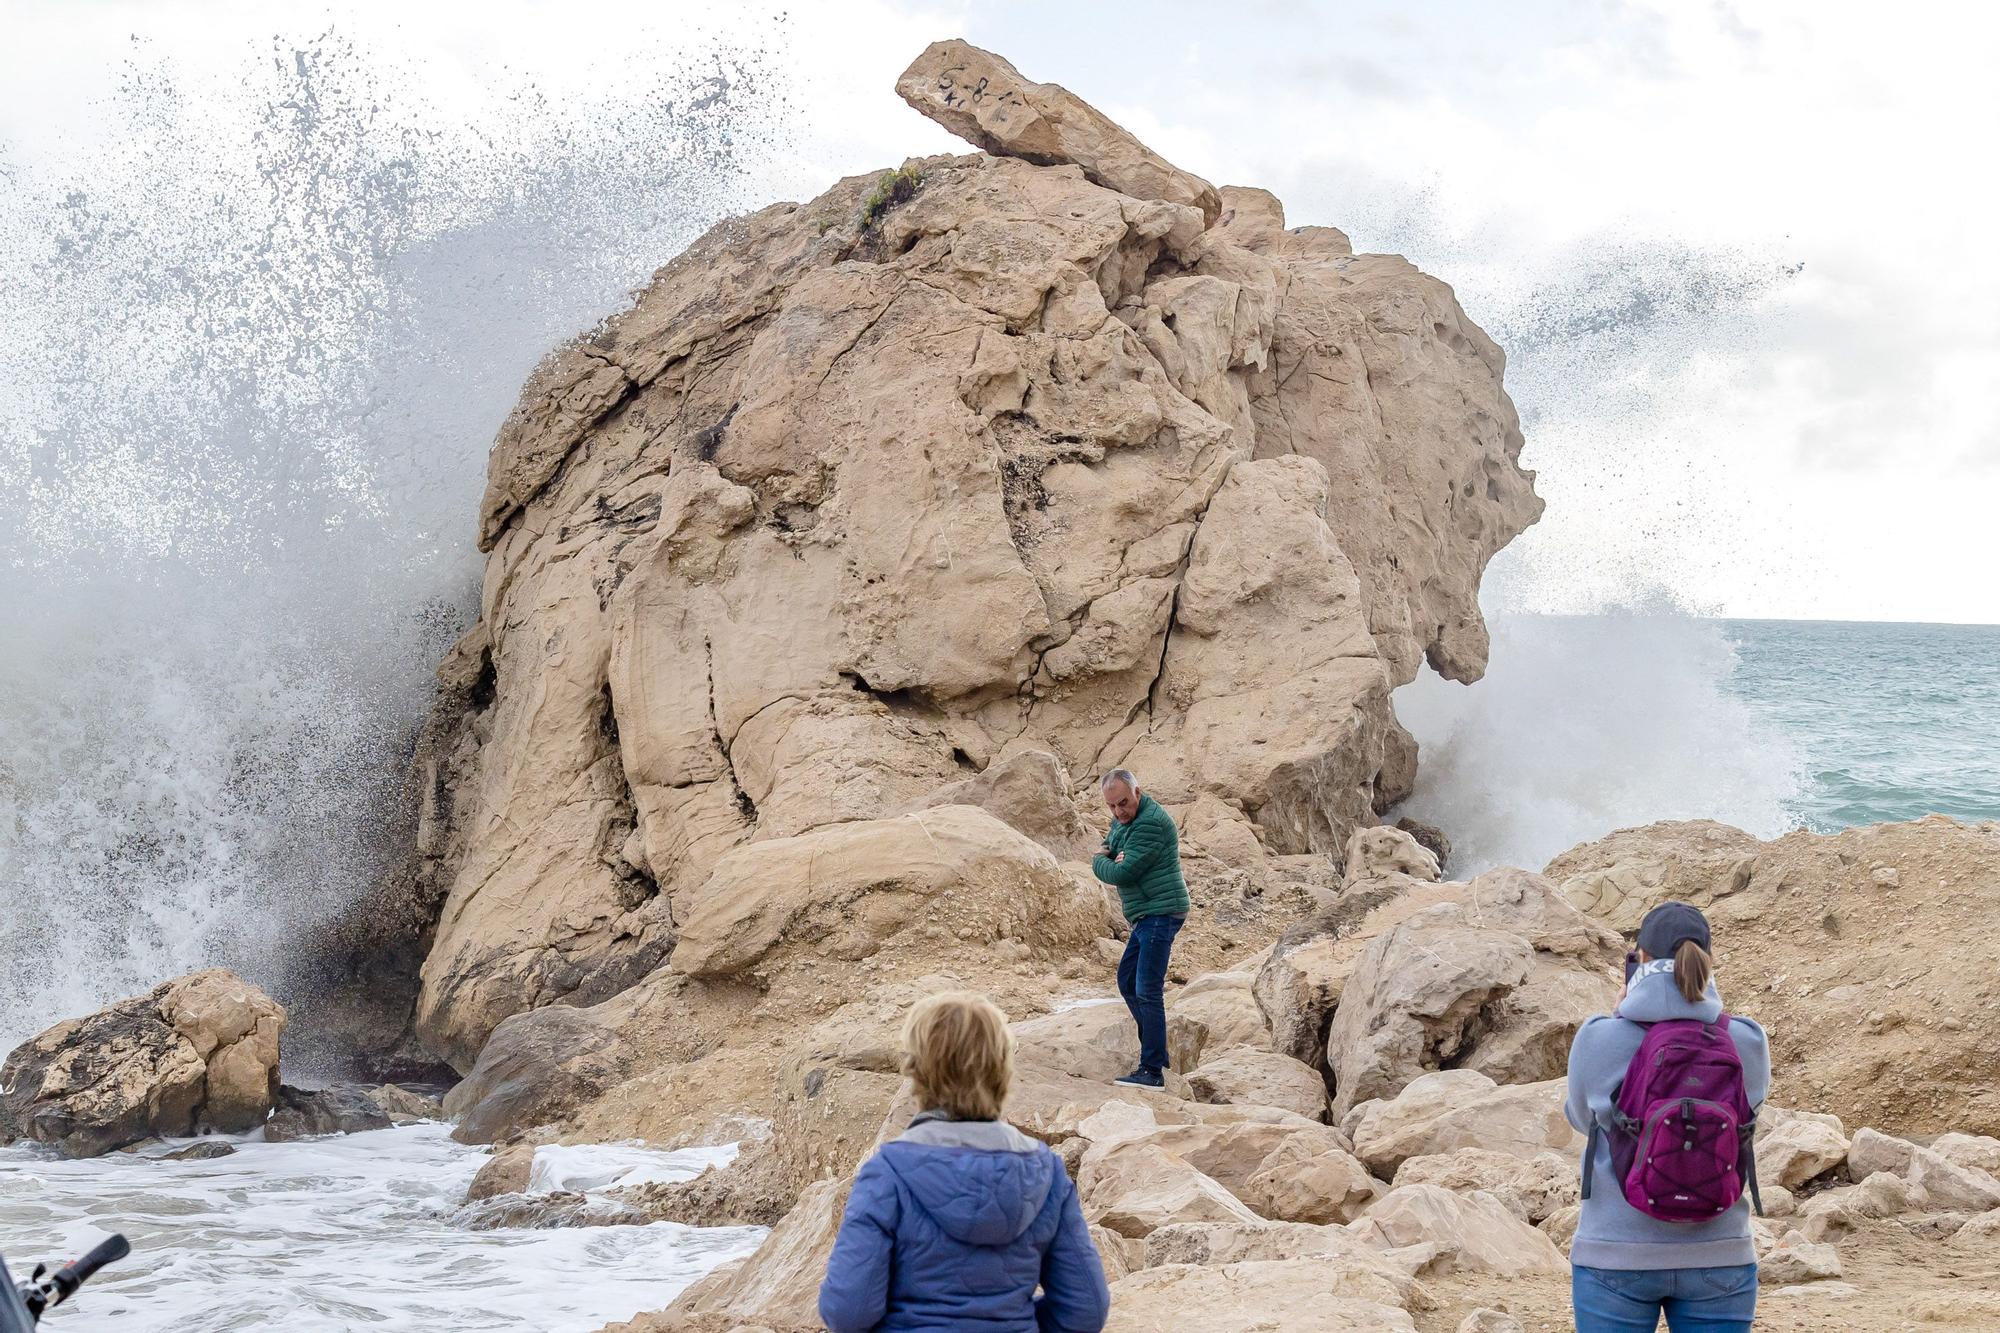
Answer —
255 351
350 1232
1588 724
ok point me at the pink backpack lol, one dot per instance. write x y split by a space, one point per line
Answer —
1681 1129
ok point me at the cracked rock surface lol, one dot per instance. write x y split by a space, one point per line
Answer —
1065 453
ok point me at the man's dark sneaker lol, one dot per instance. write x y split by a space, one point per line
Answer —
1142 1077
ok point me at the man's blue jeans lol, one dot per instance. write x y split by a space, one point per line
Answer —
1142 980
1695 1300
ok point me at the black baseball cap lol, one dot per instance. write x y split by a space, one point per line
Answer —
1667 925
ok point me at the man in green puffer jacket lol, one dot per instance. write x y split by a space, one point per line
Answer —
1142 860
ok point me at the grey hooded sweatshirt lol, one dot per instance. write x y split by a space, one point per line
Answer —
1612 1233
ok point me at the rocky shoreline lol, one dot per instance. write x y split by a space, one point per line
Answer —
823 581
1250 1194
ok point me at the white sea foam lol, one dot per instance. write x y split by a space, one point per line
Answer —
1587 724
339 1234
596 1166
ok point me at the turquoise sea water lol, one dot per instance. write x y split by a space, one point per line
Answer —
1586 724
1887 721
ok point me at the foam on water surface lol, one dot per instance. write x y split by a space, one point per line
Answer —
347 1233
596 1166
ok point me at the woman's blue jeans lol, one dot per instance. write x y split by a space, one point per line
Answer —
1142 980
1694 1300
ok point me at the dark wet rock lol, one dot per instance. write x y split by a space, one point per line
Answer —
206 1150
342 1108
536 1066
542 1212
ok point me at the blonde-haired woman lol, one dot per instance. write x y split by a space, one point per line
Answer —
956 1223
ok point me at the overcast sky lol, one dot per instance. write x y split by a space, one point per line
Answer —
1741 255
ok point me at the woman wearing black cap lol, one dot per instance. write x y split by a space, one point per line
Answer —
1666 1089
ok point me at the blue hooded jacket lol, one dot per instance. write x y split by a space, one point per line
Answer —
952 1227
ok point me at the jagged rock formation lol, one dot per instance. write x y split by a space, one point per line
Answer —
1059 457
194 1054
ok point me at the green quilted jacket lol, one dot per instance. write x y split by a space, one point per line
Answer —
1148 880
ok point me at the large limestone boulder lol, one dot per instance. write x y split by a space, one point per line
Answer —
1947 1185
1618 879
1231 1154
1315 1295
1136 1188
1298 987
849 891
1319 1188
1057 452
1497 982
1474 1233
1532 1188
1981 1152
194 1054
1093 1041
537 1066
1461 1108
1218 1012
1871 1151
1029 791
1260 1078
1387 850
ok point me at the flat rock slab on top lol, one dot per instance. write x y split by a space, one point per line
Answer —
987 102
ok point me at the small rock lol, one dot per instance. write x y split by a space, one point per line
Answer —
505 1172
1260 1078
405 1107
206 1150
1884 876
342 1108
1937 1226
1884 1195
1326 1188
1797 1259
1488 1320
1560 1226
1797 1150
1872 1151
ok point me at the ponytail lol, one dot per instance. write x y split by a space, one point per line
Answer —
1692 970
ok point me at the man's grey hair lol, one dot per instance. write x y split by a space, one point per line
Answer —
1123 775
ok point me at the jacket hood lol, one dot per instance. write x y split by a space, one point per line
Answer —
1654 998
977 1195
